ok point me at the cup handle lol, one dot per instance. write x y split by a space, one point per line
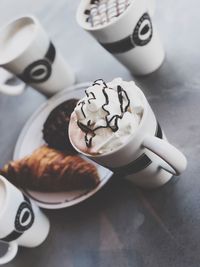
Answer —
12 90
8 89
176 161
11 253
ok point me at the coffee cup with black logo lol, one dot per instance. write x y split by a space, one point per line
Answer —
115 126
126 30
27 51
21 222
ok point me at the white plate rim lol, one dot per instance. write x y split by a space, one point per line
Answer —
86 194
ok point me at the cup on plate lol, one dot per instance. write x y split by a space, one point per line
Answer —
145 158
21 222
27 51
129 34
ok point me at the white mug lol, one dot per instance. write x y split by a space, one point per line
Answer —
131 37
27 52
147 159
21 221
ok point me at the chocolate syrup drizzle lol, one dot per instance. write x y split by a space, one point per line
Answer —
110 123
100 82
88 94
82 103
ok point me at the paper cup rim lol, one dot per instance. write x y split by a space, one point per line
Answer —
144 115
14 21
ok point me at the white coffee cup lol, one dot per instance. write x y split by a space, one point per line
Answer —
21 221
131 37
147 159
27 52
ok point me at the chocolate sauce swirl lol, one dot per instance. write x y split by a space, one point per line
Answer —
112 122
82 103
88 95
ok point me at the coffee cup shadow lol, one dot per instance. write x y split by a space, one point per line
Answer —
145 219
166 78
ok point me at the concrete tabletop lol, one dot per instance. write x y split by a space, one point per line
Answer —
122 225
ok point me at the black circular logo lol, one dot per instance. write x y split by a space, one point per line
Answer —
37 72
143 31
24 218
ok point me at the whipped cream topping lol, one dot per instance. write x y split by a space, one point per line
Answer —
100 12
106 116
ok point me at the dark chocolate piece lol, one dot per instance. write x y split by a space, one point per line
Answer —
55 129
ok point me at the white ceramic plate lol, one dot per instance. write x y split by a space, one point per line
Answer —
31 138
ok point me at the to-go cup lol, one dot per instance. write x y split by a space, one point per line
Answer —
131 37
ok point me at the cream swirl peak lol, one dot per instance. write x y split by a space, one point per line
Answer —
106 116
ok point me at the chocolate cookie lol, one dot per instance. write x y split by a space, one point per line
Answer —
55 129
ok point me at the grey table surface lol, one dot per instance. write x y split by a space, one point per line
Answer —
122 225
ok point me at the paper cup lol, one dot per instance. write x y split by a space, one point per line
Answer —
131 37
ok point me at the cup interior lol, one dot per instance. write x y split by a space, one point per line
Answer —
15 37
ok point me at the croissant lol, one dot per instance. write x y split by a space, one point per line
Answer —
47 169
